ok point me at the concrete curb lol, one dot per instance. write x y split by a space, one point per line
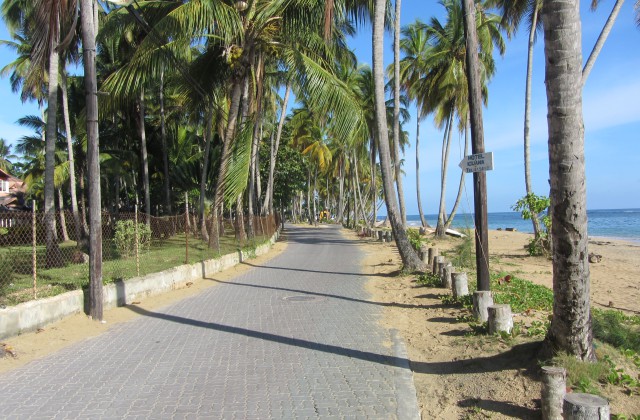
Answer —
30 316
405 388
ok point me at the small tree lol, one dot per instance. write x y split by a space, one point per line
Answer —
535 207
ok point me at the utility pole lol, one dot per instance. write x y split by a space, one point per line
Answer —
477 146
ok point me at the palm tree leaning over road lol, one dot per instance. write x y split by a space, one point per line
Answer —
408 255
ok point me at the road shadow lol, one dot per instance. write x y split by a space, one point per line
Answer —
324 295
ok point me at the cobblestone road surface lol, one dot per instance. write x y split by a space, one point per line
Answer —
293 338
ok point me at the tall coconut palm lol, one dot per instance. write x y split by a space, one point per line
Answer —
414 45
408 255
570 329
396 109
443 87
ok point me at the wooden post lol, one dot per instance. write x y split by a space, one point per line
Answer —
34 253
387 236
380 236
135 245
424 254
482 299
554 388
446 277
477 145
440 269
434 265
578 406
460 284
432 253
500 319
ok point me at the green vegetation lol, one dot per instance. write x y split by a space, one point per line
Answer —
126 237
615 328
158 256
534 207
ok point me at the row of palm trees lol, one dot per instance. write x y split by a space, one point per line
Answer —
195 97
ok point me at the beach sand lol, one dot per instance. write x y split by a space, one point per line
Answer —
458 376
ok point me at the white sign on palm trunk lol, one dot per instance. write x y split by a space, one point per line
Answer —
478 162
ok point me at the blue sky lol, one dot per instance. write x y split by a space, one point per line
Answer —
611 105
611 116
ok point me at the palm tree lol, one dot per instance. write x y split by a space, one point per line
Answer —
570 329
442 88
409 257
396 110
6 156
415 47
88 12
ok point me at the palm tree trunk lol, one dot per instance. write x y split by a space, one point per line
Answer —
63 220
53 256
255 143
309 196
477 137
570 329
601 40
72 165
89 27
408 255
165 149
208 135
527 116
340 212
446 142
241 235
396 111
144 157
422 219
315 195
374 189
268 199
460 185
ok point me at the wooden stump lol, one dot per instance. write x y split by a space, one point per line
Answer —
578 406
482 299
460 284
554 388
422 231
434 265
380 235
500 318
387 236
424 254
433 252
446 276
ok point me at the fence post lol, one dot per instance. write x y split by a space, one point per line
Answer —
135 224
186 228
34 252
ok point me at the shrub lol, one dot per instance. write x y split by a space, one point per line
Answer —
125 237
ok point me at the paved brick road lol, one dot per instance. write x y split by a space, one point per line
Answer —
294 338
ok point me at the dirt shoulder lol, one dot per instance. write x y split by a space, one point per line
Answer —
460 376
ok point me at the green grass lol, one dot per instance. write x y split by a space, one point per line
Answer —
521 294
161 255
615 328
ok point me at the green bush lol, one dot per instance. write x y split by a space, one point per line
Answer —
533 207
125 237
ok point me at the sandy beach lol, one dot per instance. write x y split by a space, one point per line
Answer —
461 376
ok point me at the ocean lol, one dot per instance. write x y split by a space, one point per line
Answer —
616 224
